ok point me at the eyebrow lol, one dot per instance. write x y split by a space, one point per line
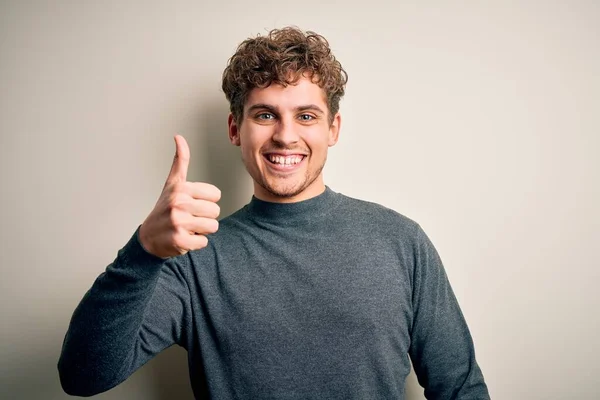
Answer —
274 110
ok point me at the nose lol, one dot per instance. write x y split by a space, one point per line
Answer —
285 133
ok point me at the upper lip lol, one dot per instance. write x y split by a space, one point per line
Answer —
283 153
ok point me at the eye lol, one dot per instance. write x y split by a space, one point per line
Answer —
265 116
306 117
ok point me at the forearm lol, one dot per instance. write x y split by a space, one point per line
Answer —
98 350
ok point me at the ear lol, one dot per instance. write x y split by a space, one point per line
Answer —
334 129
234 133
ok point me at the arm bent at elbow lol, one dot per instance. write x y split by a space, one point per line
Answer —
133 311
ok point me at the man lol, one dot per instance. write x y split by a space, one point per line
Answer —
304 293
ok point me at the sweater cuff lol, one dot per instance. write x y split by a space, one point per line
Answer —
134 256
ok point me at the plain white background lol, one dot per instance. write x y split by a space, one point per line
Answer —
478 120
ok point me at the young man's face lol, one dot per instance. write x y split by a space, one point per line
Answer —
284 137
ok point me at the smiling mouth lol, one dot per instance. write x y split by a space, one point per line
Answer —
285 161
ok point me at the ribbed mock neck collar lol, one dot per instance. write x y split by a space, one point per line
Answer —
293 212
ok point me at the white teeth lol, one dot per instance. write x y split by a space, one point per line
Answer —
281 160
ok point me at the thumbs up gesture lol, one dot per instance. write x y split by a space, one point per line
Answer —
184 213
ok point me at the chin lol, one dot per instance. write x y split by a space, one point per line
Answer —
284 187
285 190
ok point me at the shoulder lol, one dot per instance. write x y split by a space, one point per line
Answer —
385 226
378 218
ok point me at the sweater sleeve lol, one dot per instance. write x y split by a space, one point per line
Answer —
134 310
442 350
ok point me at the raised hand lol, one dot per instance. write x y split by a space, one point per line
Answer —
184 213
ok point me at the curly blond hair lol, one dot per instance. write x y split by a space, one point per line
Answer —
282 57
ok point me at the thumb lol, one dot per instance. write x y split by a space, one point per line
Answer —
181 161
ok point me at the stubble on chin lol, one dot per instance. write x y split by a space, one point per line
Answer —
288 190
285 190
278 187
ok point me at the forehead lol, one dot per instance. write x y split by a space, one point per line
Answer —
288 97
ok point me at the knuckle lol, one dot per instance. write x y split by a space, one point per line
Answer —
207 209
172 199
179 201
213 225
173 218
210 190
179 187
202 241
212 210
216 191
181 240
177 242
207 225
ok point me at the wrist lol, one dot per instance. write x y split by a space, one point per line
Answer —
143 240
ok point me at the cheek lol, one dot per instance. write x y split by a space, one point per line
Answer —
251 142
254 138
319 144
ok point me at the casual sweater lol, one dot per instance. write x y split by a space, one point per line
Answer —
325 298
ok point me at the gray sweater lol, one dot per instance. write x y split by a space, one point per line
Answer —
321 299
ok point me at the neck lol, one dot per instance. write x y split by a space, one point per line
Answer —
314 189
289 214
